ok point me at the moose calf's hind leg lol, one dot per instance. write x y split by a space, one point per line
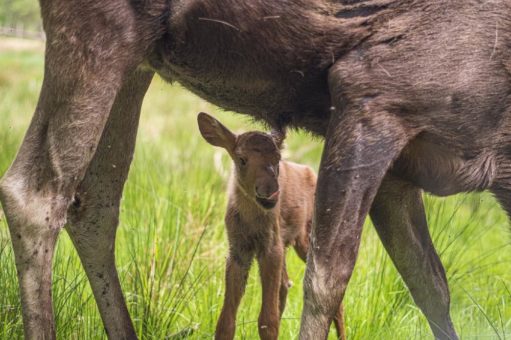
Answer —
93 219
284 288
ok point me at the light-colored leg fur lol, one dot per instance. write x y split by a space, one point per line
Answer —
302 247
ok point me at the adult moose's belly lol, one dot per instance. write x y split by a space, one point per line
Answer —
263 58
236 89
274 94
442 171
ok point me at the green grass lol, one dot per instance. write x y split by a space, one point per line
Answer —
171 244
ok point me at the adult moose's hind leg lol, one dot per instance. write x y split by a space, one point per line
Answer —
362 140
89 50
398 216
93 218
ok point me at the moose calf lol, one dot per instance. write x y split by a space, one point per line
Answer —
270 207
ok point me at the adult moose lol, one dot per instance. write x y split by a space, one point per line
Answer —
408 94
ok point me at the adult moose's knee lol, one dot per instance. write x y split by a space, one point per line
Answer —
31 208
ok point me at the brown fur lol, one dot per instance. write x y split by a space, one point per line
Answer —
409 95
262 229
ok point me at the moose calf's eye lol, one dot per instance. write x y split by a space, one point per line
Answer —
243 161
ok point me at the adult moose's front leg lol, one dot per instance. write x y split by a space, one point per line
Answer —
398 216
86 60
93 218
362 141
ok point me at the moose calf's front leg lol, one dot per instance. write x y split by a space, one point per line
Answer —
360 145
271 264
236 274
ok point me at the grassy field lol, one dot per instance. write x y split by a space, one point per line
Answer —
171 245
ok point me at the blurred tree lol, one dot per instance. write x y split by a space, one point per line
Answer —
21 12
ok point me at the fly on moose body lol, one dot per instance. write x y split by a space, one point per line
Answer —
270 207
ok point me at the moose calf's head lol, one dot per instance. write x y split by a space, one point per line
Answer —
256 157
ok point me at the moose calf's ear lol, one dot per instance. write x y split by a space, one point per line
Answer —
215 133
